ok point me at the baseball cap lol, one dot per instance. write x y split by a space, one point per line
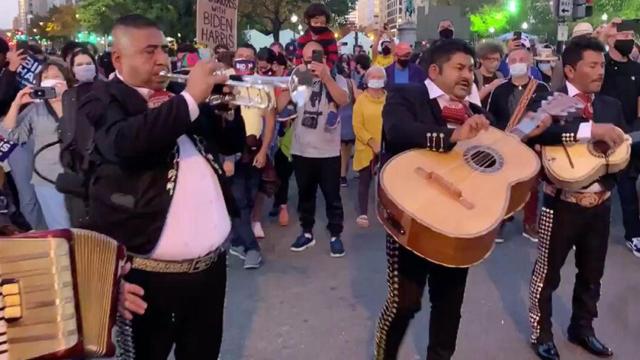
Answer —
403 48
583 28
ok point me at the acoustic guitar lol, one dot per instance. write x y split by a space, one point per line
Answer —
576 166
447 207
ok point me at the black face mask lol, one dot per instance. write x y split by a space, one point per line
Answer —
317 30
624 47
446 33
386 50
403 62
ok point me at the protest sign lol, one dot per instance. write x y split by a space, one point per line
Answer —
217 22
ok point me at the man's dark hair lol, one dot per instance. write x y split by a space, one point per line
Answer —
248 46
317 9
136 21
70 47
220 47
487 48
277 43
576 47
281 59
266 54
442 50
363 60
4 46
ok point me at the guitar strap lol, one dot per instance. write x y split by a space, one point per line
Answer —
522 104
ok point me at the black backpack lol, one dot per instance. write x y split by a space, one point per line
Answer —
76 144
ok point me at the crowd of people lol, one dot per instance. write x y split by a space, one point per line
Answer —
117 149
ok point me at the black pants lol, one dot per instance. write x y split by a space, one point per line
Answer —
365 176
183 309
311 173
563 225
628 194
284 169
407 275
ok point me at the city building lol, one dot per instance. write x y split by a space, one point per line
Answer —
29 8
370 13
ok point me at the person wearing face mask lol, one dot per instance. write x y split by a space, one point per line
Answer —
383 48
367 126
75 137
446 29
622 81
503 102
362 64
402 71
245 169
39 121
317 17
546 62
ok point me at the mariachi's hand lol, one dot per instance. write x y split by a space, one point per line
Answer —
608 133
229 168
470 129
130 300
542 126
202 80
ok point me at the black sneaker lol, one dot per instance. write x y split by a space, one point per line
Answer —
343 181
303 242
337 248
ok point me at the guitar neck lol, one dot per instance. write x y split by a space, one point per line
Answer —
528 123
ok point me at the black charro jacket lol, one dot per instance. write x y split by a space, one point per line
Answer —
136 159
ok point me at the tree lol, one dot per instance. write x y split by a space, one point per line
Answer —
489 19
63 22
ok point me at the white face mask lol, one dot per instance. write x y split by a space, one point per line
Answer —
85 73
375 83
519 69
59 85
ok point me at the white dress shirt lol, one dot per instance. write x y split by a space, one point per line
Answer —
198 221
443 99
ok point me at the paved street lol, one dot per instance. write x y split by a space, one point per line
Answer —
311 306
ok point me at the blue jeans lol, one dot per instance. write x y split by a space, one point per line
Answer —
21 162
244 186
628 194
53 207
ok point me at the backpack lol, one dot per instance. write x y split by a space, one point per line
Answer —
76 144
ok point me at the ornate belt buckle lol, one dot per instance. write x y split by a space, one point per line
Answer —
588 200
201 264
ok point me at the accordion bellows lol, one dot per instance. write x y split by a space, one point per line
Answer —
59 290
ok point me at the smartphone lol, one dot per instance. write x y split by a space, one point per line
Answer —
317 56
629 25
22 45
43 93
517 35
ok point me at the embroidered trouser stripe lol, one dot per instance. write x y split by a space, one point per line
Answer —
391 305
539 270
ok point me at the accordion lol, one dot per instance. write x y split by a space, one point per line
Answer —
58 296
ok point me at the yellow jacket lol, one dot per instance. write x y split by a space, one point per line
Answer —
367 124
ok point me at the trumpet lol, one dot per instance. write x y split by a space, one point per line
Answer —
262 96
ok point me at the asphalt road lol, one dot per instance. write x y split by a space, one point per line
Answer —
311 306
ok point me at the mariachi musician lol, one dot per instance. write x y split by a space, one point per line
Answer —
433 116
159 190
576 218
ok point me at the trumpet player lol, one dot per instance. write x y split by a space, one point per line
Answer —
159 190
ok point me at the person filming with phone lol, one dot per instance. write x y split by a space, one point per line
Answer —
316 149
39 121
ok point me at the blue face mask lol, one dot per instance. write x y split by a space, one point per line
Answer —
85 73
544 67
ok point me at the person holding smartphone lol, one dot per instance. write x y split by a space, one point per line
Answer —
316 149
39 122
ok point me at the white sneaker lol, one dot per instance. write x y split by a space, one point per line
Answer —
256 226
634 246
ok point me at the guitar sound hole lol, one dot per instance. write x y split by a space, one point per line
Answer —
600 149
483 159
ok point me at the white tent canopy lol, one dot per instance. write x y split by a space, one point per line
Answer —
345 45
260 40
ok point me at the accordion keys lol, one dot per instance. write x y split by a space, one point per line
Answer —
59 290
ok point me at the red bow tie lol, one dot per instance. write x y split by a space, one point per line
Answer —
158 97
455 115
587 99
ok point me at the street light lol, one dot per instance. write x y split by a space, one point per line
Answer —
294 18
300 27
492 30
605 17
525 26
